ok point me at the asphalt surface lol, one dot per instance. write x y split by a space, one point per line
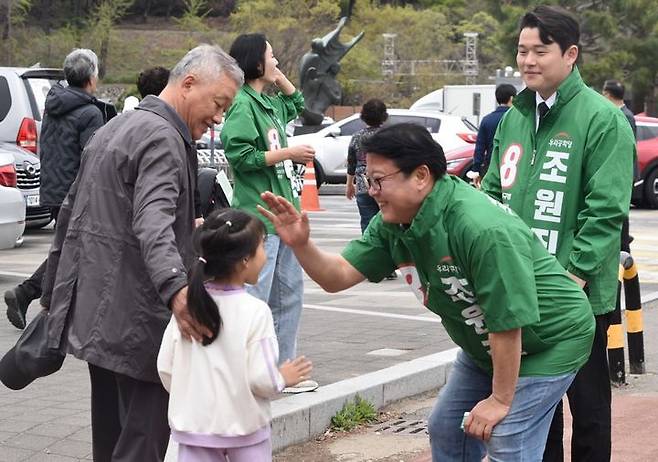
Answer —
364 329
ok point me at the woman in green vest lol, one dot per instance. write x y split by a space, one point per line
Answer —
256 147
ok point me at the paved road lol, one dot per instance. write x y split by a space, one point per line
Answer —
367 328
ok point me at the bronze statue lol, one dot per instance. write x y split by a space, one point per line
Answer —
317 73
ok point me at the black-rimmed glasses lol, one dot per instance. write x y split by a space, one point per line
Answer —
376 183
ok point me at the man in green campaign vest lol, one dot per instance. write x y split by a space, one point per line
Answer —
524 327
563 161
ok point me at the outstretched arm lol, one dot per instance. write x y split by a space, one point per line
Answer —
332 272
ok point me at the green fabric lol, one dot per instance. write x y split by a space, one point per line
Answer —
473 262
255 123
580 164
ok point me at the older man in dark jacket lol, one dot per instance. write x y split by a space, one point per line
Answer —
117 268
71 116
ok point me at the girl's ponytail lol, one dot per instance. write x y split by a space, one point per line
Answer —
221 243
199 302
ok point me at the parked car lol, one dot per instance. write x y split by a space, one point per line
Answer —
645 191
295 127
28 173
460 160
23 94
12 205
331 142
22 100
647 156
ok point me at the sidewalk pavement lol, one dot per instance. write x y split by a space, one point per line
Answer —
633 430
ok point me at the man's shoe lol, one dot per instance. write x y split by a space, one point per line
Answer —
302 387
17 302
392 276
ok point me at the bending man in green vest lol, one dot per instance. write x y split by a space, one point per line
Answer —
563 161
524 327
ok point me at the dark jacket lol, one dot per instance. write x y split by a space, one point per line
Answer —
631 120
69 119
484 142
122 242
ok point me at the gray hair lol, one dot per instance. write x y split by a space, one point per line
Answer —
80 66
207 61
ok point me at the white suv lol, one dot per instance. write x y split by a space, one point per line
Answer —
22 101
331 142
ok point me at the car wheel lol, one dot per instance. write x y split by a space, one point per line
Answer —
651 189
319 174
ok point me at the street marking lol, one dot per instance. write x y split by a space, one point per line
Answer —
387 352
403 292
650 297
434 318
329 239
13 274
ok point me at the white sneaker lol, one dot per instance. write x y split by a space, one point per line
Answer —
302 387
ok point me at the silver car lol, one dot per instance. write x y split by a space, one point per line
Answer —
28 176
12 205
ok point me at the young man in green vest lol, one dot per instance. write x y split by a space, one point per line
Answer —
563 161
524 327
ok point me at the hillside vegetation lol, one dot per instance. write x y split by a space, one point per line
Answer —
619 37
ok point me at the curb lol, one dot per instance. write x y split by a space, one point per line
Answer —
299 418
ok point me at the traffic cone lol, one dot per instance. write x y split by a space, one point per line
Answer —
310 199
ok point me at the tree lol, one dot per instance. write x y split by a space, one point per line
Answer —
102 22
15 12
289 25
193 16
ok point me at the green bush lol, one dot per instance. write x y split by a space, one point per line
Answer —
354 414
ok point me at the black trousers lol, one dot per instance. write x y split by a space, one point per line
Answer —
32 285
590 400
625 236
128 418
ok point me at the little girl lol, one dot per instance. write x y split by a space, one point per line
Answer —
220 389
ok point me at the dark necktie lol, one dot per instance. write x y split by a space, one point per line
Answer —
543 109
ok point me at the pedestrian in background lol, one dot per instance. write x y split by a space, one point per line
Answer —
220 389
523 327
563 161
505 94
150 81
374 114
117 268
69 119
614 91
255 145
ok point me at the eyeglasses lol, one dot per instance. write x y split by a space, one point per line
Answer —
376 183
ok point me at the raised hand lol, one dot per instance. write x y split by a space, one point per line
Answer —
292 227
296 370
